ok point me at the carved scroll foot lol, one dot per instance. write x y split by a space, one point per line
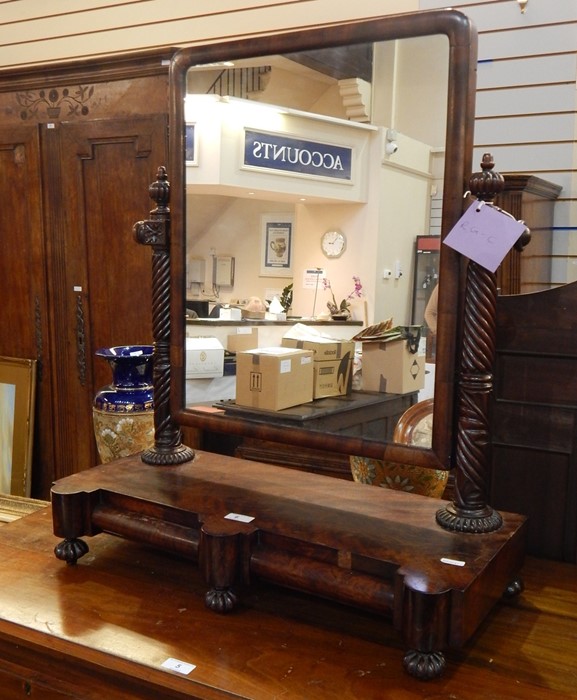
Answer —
456 519
221 600
70 550
424 665
514 589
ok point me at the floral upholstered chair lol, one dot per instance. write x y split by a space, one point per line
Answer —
414 428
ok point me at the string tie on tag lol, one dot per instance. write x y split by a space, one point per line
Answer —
501 211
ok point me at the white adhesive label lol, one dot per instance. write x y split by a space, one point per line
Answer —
239 517
452 562
178 666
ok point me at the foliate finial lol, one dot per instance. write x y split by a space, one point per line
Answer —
487 184
159 190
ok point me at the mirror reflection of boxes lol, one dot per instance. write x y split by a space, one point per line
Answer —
204 357
391 367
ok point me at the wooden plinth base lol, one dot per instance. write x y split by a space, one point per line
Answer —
371 548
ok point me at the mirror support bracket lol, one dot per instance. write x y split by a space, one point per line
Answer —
155 231
469 511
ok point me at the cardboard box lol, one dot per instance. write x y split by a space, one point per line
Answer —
204 357
333 378
274 378
333 364
324 348
243 339
392 368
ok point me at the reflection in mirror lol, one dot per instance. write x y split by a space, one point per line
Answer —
305 142
360 99
280 149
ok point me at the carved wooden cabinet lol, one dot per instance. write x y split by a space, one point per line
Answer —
79 145
534 417
532 200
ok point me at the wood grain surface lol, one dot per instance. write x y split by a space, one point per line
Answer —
103 628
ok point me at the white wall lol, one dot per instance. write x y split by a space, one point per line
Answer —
526 112
35 32
234 229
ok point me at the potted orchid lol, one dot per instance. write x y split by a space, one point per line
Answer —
342 310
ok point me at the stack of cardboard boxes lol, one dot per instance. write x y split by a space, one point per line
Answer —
333 363
306 368
297 372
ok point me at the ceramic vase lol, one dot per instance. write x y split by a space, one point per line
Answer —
123 411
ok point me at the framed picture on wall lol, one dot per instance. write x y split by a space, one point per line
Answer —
276 245
191 144
17 394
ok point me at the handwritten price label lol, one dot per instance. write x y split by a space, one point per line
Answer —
484 234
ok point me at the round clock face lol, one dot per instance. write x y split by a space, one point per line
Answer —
333 243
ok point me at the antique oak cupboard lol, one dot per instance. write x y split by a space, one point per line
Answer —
79 144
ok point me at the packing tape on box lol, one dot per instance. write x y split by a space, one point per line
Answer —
412 334
300 344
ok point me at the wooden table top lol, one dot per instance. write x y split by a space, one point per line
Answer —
318 409
123 610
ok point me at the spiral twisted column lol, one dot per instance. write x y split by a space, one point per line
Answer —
155 231
469 511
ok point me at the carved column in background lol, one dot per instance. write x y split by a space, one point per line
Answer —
470 512
168 447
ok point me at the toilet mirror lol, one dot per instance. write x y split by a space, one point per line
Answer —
350 127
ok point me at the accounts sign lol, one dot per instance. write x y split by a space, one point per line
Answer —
292 155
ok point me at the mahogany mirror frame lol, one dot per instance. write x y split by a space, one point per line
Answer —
462 39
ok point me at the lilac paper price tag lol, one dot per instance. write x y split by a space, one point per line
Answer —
485 235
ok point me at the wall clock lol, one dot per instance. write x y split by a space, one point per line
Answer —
333 243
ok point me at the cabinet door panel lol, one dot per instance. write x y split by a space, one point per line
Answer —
23 282
102 277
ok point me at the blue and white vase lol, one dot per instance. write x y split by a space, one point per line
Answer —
123 411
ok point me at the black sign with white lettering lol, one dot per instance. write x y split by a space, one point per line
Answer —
286 154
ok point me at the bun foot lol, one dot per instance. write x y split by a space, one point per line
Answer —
514 589
424 665
71 550
221 600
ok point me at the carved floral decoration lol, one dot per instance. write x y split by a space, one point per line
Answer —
52 102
